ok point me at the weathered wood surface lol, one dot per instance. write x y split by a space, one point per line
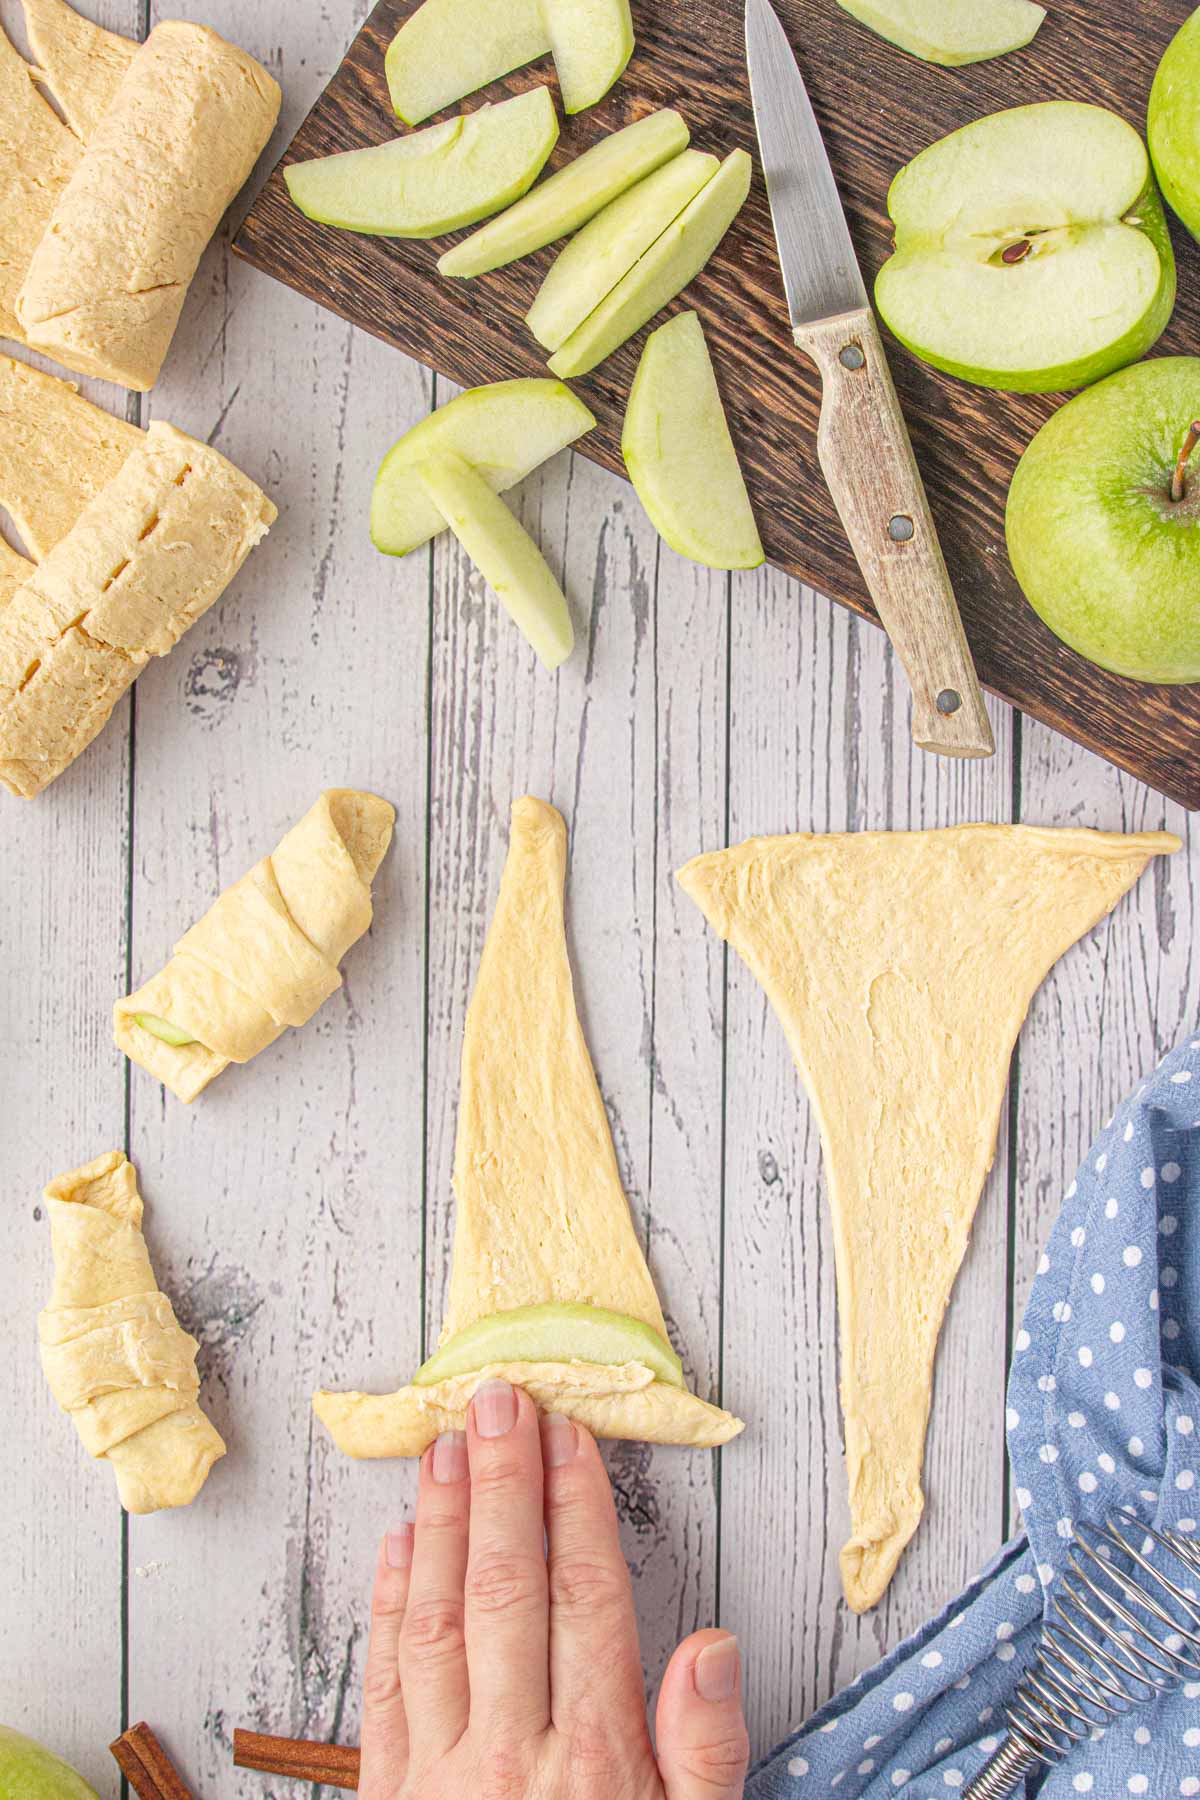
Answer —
300 1212
877 108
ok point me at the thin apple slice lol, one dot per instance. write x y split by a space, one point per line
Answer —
571 196
504 431
163 1028
450 48
680 456
592 42
503 552
590 266
951 32
555 1332
437 180
665 269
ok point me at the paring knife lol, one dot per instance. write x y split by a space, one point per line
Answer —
862 441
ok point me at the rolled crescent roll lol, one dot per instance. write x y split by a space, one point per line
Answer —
113 1353
107 280
266 954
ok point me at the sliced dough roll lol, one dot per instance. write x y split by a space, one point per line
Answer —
265 955
113 1353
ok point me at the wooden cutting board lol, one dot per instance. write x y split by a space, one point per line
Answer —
877 108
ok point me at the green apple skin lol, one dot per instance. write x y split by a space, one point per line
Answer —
553 1333
29 1772
437 180
680 456
591 42
571 196
163 1028
671 262
951 32
1104 555
1173 124
450 48
504 430
952 264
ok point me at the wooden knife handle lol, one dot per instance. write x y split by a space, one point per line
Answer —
868 461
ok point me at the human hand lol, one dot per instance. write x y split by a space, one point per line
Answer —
504 1662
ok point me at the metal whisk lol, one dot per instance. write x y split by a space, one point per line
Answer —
1115 1639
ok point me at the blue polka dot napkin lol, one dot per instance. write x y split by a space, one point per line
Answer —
1103 1413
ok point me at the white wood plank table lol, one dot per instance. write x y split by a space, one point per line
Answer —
301 1214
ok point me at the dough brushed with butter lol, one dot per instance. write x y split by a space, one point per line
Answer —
901 966
541 1214
112 1351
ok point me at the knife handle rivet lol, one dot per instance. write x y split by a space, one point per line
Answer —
948 701
900 528
851 357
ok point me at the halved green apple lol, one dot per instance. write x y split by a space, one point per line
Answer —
504 431
666 268
553 1333
503 552
680 456
450 48
951 32
1031 250
590 266
163 1028
592 41
1173 124
571 196
437 180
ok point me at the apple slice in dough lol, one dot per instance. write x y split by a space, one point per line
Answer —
662 272
901 965
680 456
450 48
538 1334
503 552
592 42
542 1219
437 180
590 266
571 196
951 31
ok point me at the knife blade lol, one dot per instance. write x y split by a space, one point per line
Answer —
862 440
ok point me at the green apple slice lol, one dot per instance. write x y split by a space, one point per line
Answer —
163 1028
571 196
951 32
592 41
1173 125
665 269
450 48
504 431
1031 250
437 180
680 456
503 552
590 266
552 1333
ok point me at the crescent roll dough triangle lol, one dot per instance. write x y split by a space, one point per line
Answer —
901 966
541 1216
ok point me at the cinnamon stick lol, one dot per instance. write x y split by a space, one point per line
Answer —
336 1765
146 1765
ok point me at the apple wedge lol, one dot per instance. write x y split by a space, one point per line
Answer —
1032 253
450 48
503 552
1173 123
555 1332
437 180
951 32
680 456
163 1028
590 266
504 431
665 269
571 196
591 41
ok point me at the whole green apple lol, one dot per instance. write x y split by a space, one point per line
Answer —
1173 124
28 1772
1103 522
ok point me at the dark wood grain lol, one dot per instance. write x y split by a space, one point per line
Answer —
877 108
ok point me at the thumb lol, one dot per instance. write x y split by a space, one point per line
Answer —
703 1748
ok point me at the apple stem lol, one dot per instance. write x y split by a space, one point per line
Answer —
1179 477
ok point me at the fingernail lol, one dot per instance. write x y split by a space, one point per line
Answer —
717 1669
450 1458
559 1440
495 1406
398 1548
